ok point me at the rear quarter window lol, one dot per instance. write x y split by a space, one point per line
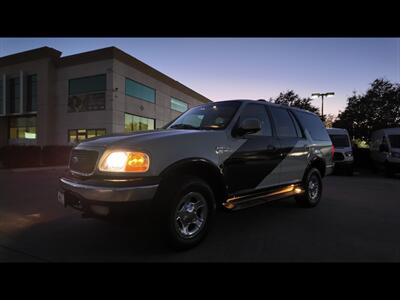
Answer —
313 125
340 140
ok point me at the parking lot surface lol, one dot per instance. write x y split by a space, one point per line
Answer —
358 219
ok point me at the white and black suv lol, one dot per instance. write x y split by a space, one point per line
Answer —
231 154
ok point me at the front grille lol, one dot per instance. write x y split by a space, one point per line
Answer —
338 156
83 161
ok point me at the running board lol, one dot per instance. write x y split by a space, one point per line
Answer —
236 203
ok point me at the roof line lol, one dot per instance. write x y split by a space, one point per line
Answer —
33 54
116 53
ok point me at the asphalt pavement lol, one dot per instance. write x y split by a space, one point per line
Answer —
357 220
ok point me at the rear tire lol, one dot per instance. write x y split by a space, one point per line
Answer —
187 209
312 185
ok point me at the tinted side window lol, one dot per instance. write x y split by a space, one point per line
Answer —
313 125
283 122
259 112
296 124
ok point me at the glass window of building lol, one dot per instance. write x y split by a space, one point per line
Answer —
178 105
22 128
14 95
2 112
90 84
140 91
87 93
136 123
79 135
31 93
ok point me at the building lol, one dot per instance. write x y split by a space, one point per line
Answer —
47 99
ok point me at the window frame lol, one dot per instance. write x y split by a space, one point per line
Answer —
139 83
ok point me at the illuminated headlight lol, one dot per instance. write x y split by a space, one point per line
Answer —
395 154
121 161
349 154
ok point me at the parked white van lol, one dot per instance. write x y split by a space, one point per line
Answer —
343 156
385 150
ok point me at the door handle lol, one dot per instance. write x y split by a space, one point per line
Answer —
271 148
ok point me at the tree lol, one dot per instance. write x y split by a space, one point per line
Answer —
329 120
378 108
290 98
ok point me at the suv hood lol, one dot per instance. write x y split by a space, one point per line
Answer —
140 137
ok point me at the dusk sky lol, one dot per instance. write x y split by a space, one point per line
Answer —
251 68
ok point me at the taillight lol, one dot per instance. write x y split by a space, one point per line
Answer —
332 151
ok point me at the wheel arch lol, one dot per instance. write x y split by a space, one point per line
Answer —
198 167
318 163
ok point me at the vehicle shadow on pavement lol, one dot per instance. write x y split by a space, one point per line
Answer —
133 238
73 238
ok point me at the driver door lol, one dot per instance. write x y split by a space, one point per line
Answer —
254 165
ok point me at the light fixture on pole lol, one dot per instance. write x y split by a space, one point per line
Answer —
322 95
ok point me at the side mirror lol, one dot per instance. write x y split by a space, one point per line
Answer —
383 148
249 126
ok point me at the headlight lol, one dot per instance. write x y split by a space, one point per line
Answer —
121 161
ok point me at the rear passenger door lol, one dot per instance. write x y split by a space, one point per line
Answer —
253 165
294 146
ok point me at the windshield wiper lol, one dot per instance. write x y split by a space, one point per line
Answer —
183 126
211 127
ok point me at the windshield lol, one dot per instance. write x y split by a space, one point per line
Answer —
394 140
340 140
216 115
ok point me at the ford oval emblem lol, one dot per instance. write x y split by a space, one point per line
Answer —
75 160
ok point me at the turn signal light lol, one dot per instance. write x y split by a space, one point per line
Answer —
137 162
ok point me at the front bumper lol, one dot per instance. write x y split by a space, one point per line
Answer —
99 199
109 194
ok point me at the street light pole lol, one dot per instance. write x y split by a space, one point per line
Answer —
322 95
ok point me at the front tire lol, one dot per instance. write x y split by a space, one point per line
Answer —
189 206
312 185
